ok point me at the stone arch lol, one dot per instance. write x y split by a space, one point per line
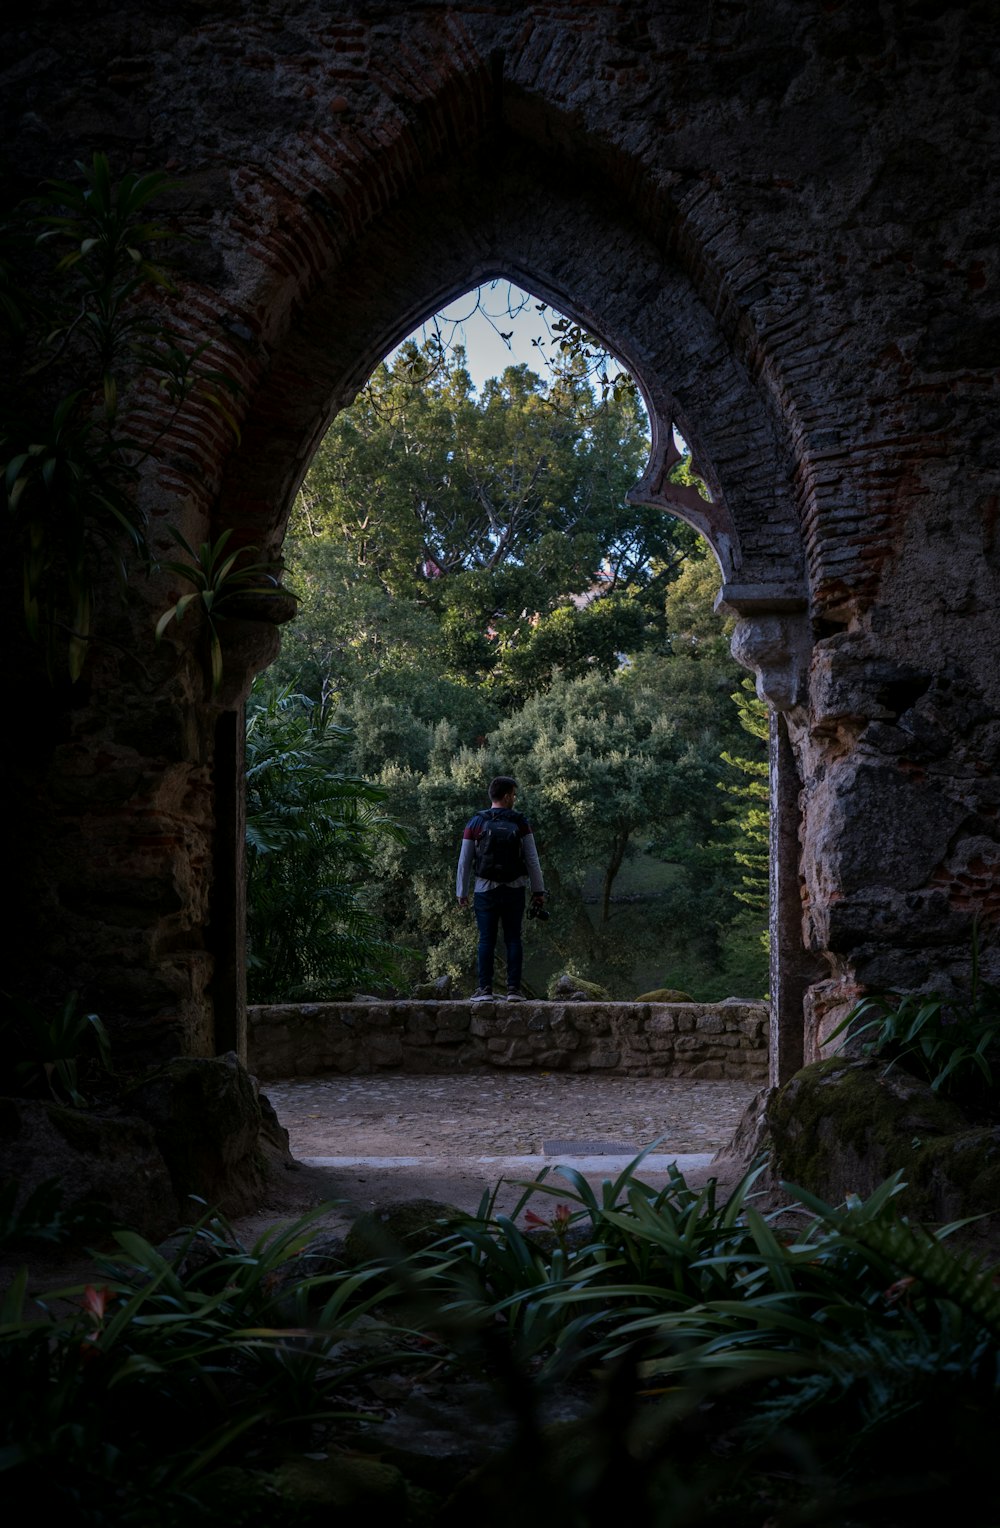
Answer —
786 181
581 248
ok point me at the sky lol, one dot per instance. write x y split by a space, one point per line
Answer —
498 324
515 313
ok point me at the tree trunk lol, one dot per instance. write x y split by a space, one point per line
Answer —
618 847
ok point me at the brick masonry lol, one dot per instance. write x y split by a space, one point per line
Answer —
778 212
698 1041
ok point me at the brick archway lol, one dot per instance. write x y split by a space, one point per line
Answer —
737 201
580 245
582 248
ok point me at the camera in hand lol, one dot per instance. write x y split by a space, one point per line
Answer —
537 910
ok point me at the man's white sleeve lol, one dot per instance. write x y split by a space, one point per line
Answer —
531 861
465 865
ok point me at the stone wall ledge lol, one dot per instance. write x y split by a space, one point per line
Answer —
697 1040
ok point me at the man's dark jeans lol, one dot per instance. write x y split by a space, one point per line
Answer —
503 905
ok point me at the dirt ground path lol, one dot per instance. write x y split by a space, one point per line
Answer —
501 1114
361 1140
364 1140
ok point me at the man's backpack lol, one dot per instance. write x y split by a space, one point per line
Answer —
498 848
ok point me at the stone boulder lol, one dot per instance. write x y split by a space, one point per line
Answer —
397 1228
193 1128
570 988
843 1126
440 990
664 995
102 1160
218 1135
338 1482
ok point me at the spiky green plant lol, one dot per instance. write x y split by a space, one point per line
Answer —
136 1392
218 579
49 1047
81 334
951 1041
311 832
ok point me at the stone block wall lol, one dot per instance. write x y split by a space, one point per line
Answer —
700 1041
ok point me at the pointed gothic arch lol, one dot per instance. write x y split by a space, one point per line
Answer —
581 248
731 200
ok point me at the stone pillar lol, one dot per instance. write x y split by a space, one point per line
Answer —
773 640
791 967
227 921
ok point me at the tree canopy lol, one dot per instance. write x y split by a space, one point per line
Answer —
480 596
504 517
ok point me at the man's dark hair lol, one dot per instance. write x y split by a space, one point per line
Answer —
500 785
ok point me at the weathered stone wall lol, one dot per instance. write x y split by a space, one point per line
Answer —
636 1039
776 211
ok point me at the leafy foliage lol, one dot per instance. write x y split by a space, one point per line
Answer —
311 830
50 1050
478 595
492 513
952 1042
751 826
78 334
604 763
815 1363
218 579
144 1385
42 1217
822 1353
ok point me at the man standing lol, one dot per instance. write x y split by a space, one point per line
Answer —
500 847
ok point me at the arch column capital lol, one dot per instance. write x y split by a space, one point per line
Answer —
773 638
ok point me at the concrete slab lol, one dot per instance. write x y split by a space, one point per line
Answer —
525 1166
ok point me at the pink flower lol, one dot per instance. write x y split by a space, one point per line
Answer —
560 1219
96 1301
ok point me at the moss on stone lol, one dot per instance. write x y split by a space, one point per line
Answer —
398 1228
842 1126
567 984
664 995
958 1175
344 1481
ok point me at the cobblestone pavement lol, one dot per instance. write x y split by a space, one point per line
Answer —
472 1115
362 1140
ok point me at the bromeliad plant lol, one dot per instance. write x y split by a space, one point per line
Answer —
822 1337
137 1394
952 1042
564 1286
835 1367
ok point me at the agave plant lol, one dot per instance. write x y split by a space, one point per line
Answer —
218 580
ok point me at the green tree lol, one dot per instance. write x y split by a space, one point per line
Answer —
312 833
605 776
477 594
358 650
725 947
504 518
752 821
604 761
